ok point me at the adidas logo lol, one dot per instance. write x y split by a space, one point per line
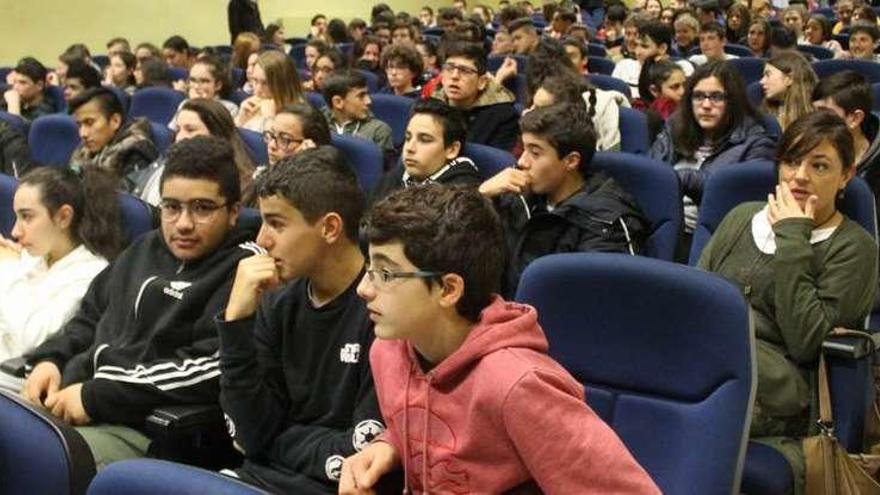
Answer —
175 289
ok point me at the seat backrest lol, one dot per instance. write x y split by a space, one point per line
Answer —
633 132
364 155
875 97
755 93
750 68
518 86
56 97
609 83
156 104
738 50
494 62
819 52
298 54
654 186
101 60
600 65
867 68
123 97
15 121
665 353
249 218
255 145
137 217
729 185
8 185
373 82
178 73
52 139
316 99
395 111
162 136
39 454
843 39
148 476
489 160
597 50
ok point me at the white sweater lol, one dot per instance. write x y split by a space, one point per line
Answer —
35 300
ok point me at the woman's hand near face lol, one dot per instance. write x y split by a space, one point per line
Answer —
783 205
9 249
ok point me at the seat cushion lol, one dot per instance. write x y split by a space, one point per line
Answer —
766 472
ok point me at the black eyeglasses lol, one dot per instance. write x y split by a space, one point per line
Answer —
201 210
715 97
381 277
464 70
280 138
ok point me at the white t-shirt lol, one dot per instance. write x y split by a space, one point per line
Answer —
701 59
629 70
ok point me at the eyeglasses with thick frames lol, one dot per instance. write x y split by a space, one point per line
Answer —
464 70
381 277
281 139
201 210
714 97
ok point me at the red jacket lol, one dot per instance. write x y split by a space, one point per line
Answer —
498 414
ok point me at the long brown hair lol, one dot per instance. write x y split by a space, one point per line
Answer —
219 123
798 98
281 77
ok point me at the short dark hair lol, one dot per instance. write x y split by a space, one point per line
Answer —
176 43
87 74
450 118
204 157
566 14
119 40
32 69
314 125
317 181
848 89
577 43
868 29
657 32
449 13
316 17
567 127
713 27
106 99
406 55
471 51
436 226
782 37
522 22
808 131
340 82
335 56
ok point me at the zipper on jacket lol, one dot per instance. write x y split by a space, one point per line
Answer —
137 301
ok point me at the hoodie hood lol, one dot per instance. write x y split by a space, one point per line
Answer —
502 325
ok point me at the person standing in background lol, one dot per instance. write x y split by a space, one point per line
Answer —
244 16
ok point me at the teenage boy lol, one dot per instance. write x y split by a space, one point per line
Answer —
348 109
435 136
472 401
80 76
525 36
712 40
27 97
863 41
655 41
296 382
149 312
554 202
109 141
487 106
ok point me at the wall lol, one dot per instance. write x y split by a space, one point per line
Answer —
44 28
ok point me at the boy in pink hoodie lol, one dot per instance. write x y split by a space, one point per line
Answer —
472 401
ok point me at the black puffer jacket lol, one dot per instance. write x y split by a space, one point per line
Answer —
15 156
601 217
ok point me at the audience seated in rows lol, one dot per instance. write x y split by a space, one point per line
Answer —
712 42
27 96
403 66
655 40
67 229
120 72
804 268
80 77
15 159
153 309
276 84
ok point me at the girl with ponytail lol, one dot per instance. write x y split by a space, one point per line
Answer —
66 231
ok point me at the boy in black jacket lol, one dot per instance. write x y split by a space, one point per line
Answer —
296 384
435 136
143 336
553 202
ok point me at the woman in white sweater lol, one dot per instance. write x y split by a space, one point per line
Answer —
67 228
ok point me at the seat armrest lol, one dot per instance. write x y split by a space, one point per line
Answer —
183 419
850 362
16 367
850 347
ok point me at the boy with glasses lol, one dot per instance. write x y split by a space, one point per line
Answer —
472 401
487 106
150 312
296 384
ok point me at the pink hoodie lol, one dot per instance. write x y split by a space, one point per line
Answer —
498 414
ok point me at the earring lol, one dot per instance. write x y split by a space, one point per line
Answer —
840 193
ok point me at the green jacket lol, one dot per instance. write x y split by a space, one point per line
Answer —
797 296
370 128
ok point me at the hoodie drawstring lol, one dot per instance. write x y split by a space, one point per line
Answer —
425 438
406 430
